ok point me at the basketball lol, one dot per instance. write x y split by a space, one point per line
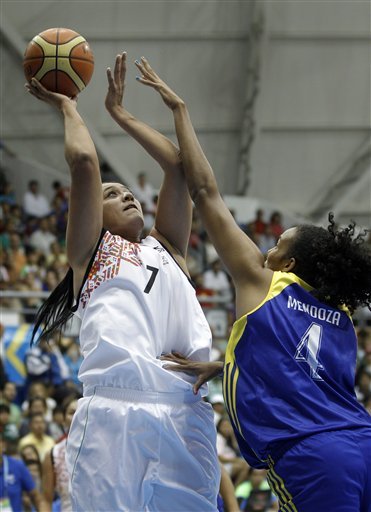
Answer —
61 59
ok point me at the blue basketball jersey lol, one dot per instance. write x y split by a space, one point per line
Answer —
289 372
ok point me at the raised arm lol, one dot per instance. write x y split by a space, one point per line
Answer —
239 253
174 208
85 215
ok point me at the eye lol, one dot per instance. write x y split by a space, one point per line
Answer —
111 194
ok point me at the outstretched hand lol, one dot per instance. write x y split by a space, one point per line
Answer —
116 83
150 78
53 98
203 370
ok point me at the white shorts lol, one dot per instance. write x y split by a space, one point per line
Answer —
143 451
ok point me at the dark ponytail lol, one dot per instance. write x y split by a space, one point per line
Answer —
56 310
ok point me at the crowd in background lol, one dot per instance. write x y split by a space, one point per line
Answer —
33 258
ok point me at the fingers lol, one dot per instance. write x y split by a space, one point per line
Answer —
145 82
117 70
175 368
179 355
197 385
174 356
146 70
36 89
110 77
123 66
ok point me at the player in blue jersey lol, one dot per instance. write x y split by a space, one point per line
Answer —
289 369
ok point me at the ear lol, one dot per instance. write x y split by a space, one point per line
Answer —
289 265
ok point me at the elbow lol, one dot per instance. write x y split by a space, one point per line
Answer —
203 193
78 160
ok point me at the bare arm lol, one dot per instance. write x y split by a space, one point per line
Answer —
85 214
48 481
239 253
227 492
174 208
38 502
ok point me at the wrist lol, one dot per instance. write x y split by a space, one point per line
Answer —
219 368
115 110
179 105
119 114
66 106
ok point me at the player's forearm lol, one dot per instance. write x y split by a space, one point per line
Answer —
157 145
78 144
199 174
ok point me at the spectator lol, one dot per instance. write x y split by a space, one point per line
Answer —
38 436
57 255
56 426
37 405
51 280
144 192
35 204
16 257
7 193
267 240
15 215
60 211
257 227
363 384
14 480
209 250
216 279
32 264
40 389
229 453
217 402
42 364
73 359
35 469
60 191
7 429
29 453
257 481
42 238
275 225
55 475
8 397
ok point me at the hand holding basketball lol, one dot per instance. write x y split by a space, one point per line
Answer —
53 98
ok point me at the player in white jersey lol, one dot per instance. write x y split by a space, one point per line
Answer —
141 440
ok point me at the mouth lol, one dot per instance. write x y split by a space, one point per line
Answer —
130 206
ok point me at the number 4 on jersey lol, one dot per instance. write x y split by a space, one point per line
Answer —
308 349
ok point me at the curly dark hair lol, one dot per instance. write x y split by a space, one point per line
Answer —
335 262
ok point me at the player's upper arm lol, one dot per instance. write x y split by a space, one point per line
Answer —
242 258
85 215
174 210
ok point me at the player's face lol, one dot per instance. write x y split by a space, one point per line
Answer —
122 213
277 257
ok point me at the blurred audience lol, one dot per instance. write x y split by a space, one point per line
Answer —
35 204
34 416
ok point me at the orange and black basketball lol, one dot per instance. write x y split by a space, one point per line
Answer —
61 59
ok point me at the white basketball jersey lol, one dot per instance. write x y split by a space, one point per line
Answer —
136 304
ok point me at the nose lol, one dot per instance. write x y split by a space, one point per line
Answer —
127 196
